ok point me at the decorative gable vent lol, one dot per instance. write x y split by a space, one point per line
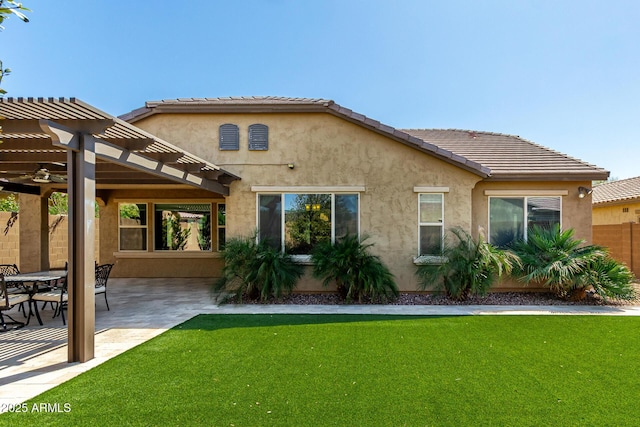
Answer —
229 137
258 137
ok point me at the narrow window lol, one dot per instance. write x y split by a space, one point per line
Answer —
258 137
431 213
222 224
132 227
229 137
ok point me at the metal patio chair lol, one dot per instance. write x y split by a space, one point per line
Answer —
102 277
7 302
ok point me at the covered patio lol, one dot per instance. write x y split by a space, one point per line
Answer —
69 146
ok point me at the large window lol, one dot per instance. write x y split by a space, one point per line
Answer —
298 222
132 226
431 223
511 217
182 226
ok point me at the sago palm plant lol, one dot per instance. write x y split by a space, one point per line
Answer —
357 273
608 278
554 258
468 267
256 270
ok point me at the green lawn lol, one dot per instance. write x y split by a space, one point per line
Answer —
317 370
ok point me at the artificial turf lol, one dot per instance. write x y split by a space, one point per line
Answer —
348 370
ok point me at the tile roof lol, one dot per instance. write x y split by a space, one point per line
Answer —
490 155
510 156
616 191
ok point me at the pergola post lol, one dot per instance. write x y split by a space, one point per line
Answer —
81 274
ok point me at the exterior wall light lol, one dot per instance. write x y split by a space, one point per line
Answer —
584 191
291 165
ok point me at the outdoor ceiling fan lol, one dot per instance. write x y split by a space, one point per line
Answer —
42 175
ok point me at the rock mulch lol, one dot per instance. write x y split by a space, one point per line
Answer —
497 298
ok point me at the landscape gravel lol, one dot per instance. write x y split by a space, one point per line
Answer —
495 298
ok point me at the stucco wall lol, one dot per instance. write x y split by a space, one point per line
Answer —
616 214
150 263
328 151
576 212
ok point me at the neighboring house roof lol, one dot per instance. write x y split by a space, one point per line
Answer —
616 191
490 155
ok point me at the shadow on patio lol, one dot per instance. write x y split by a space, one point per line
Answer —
36 356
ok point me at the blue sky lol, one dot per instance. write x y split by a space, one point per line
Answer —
564 74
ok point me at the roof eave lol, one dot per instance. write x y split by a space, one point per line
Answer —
564 176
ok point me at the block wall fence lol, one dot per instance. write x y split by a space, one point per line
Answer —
58 240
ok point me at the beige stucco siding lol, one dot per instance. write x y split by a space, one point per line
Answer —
618 213
150 263
576 212
326 152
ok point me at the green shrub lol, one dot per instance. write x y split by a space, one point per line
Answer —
554 258
256 270
608 278
468 267
357 273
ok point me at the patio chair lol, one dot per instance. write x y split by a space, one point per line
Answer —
58 296
9 270
7 302
102 276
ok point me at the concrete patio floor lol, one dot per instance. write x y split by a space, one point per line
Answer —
34 359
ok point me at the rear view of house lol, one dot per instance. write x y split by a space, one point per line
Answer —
311 170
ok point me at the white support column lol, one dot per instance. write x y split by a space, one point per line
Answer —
81 275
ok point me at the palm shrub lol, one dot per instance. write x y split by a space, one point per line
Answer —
468 267
567 266
256 270
608 278
357 273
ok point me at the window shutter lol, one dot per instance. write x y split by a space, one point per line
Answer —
229 137
258 137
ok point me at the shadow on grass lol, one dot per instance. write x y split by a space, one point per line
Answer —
212 322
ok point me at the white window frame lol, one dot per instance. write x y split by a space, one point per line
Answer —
525 197
440 223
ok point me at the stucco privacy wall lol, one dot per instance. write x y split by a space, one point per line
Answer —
328 151
58 240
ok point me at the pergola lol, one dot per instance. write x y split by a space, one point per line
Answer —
67 145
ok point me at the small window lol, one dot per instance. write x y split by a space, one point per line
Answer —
258 137
430 221
229 137
132 226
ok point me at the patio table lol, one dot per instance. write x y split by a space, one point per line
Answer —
30 281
